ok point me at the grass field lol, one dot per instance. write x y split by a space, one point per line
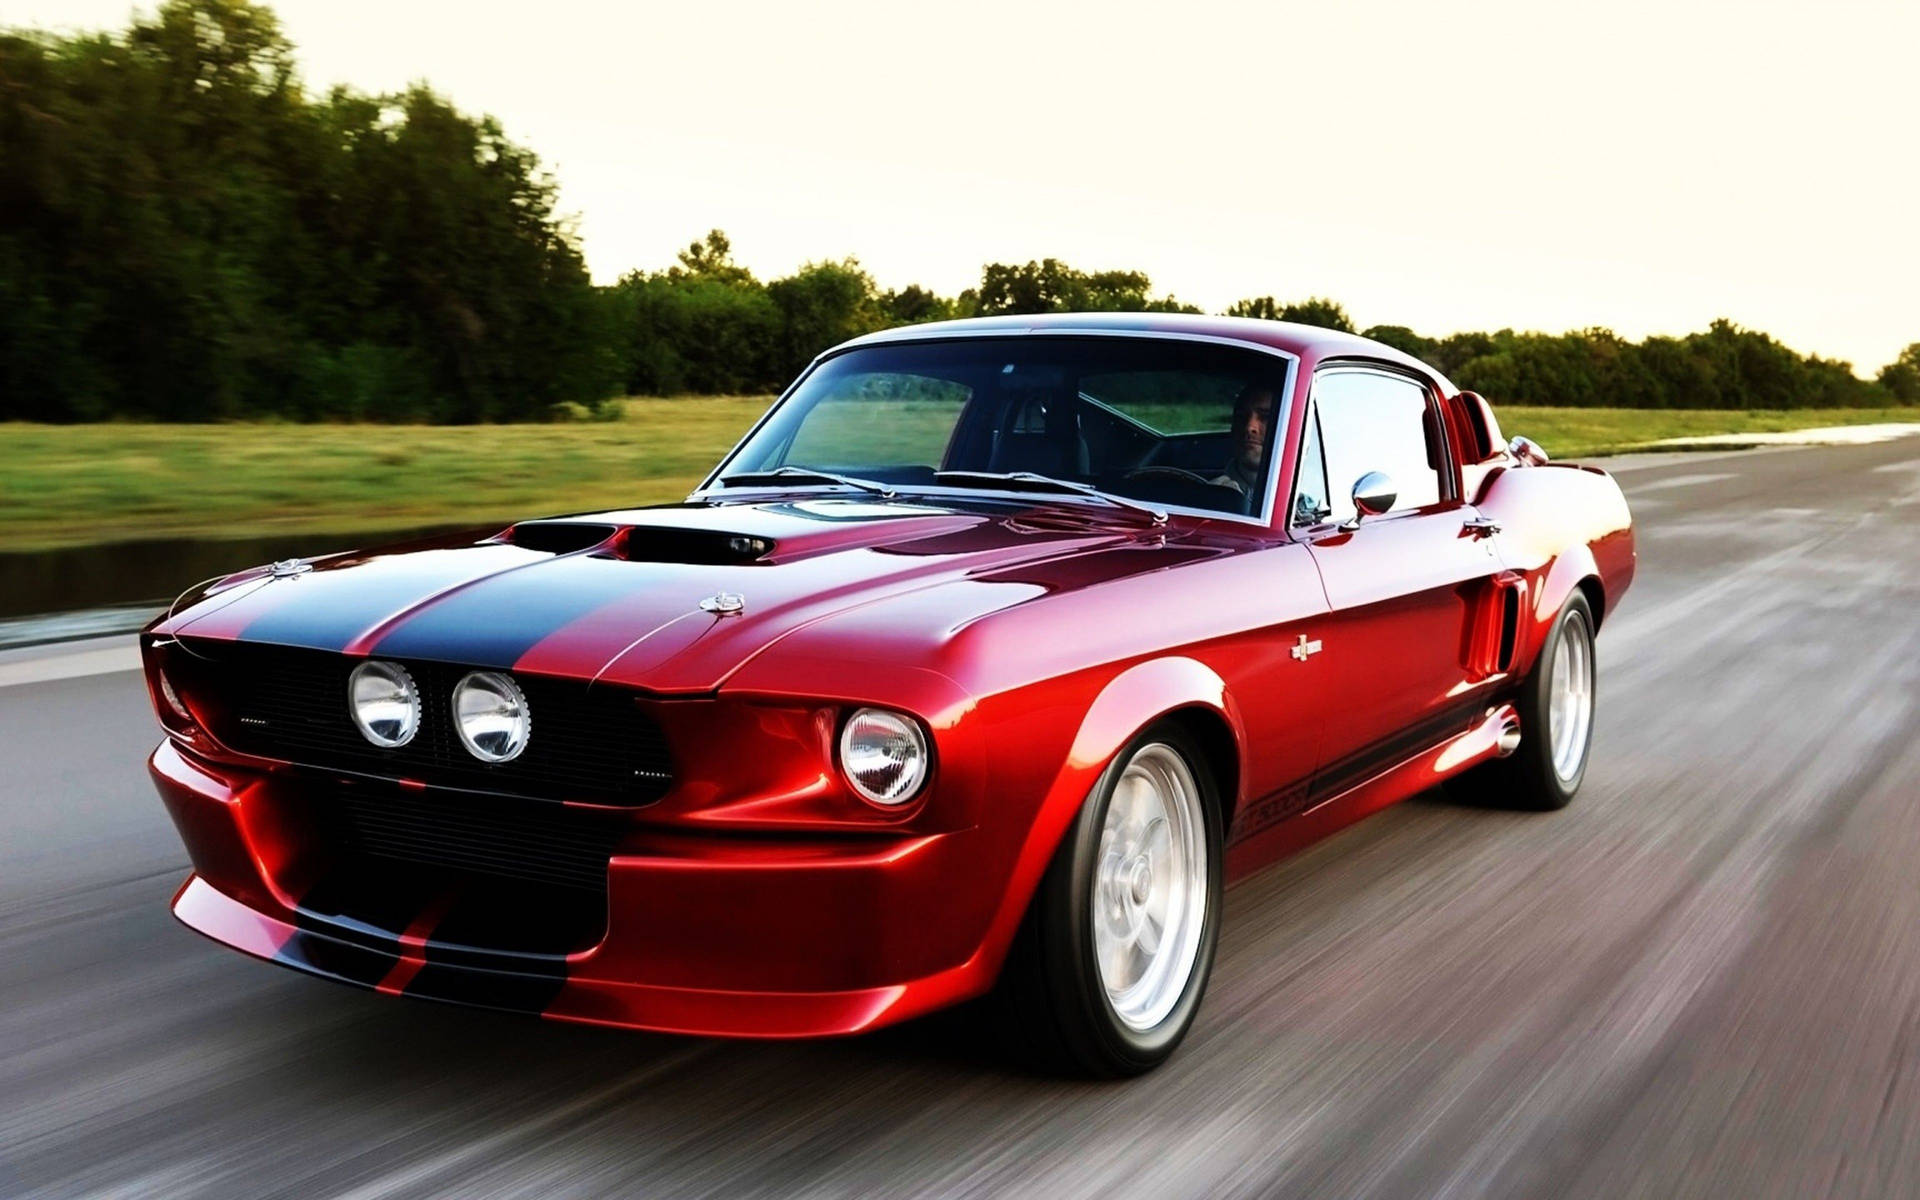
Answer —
81 484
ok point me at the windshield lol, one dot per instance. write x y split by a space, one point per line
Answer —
1163 421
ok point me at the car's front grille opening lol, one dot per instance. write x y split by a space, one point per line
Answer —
474 877
589 742
533 841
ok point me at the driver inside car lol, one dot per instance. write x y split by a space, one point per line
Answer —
1252 415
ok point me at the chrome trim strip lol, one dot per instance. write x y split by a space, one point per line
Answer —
1436 401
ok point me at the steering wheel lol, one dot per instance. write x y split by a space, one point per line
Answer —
1162 471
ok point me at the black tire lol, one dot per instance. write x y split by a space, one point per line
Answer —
1051 1004
1528 778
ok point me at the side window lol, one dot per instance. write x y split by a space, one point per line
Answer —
1372 421
1310 489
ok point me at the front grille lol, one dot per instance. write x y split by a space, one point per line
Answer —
588 742
497 836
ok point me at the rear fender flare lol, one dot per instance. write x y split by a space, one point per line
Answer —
1551 590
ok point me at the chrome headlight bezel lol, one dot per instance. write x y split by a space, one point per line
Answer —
401 701
497 732
876 741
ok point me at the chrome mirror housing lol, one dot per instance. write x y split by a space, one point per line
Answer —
1527 452
1373 494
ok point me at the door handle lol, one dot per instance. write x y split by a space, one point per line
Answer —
1481 526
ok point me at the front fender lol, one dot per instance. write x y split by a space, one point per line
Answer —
1134 699
1128 703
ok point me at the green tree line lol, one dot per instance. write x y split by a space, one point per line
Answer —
187 235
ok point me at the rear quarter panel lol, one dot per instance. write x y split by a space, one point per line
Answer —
1561 525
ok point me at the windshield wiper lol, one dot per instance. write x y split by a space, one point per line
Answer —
1033 481
798 474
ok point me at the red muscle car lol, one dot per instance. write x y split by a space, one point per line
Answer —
975 669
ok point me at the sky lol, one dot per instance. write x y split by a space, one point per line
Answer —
1646 167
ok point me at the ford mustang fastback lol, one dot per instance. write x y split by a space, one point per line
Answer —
975 670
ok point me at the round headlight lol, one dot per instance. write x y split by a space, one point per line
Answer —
883 755
490 711
384 703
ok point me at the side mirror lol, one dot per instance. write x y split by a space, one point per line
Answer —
1373 494
1527 452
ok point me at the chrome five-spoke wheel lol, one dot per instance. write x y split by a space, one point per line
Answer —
1570 696
1150 887
1110 964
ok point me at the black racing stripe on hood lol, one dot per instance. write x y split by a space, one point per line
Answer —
327 609
496 621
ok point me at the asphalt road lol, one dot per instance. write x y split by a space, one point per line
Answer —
1702 979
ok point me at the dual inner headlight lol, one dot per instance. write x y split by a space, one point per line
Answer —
489 710
884 755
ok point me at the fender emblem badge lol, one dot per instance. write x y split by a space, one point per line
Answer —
1303 648
725 604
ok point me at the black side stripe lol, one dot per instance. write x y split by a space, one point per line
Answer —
1365 763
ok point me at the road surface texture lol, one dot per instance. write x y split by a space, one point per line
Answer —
1703 979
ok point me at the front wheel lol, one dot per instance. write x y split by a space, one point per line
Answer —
1107 973
1555 707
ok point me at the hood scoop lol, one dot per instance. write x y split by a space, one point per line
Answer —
643 543
558 537
695 547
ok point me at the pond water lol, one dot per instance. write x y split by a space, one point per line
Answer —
149 574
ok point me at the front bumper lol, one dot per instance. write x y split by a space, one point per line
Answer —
704 934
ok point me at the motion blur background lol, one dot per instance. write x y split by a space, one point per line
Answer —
281 280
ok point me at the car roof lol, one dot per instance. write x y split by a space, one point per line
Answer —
1311 343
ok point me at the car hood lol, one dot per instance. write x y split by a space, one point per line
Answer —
619 595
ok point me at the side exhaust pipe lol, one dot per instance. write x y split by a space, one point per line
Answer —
1509 739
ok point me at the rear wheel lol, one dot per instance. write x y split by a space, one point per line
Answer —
1107 973
1555 707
